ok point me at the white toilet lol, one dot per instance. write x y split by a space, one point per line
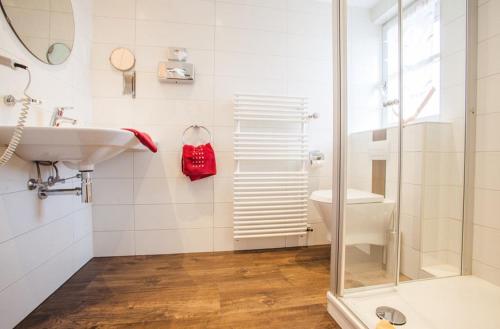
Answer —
368 215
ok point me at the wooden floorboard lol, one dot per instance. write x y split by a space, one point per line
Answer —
283 288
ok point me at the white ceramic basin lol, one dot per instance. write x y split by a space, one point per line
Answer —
78 148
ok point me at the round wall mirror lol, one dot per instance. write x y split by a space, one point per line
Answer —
122 59
45 28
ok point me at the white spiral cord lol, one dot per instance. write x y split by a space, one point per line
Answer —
18 131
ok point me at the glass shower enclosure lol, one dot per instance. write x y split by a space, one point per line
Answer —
405 71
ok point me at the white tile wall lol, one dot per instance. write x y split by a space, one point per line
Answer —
153 242
174 216
114 243
275 47
42 243
435 159
113 218
431 198
487 193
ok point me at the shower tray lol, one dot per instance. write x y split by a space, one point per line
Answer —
461 302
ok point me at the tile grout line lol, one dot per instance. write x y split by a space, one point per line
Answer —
214 61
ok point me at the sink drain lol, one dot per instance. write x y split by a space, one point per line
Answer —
390 314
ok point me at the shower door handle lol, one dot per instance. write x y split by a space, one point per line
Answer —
390 103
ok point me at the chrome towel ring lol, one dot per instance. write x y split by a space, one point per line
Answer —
198 128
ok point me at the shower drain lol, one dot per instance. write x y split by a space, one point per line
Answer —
390 314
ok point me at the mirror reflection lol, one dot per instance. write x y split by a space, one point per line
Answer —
45 27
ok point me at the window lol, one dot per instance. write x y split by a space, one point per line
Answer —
421 63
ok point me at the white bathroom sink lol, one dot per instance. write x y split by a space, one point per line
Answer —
78 148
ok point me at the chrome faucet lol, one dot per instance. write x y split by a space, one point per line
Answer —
58 117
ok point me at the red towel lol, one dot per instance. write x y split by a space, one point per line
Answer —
144 138
198 161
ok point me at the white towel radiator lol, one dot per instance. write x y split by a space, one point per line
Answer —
271 154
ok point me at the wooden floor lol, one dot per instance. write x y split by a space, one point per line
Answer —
283 288
363 270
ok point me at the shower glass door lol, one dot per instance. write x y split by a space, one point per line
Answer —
433 127
371 145
404 140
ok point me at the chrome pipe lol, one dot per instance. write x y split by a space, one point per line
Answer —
84 191
44 193
86 186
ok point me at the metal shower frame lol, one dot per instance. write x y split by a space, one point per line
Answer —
339 42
